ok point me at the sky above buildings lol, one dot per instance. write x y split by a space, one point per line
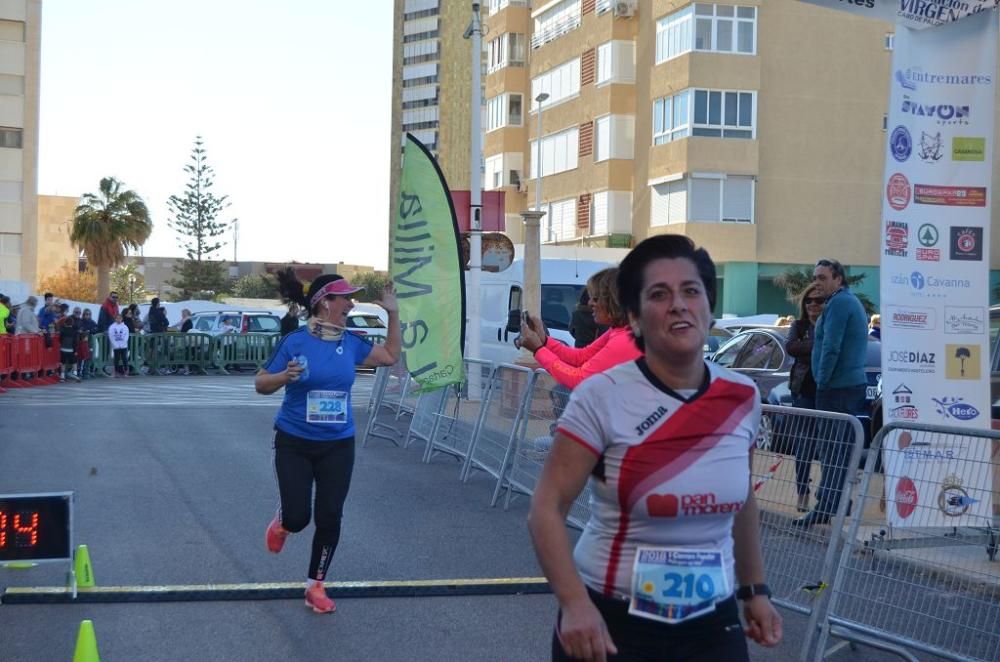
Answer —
292 100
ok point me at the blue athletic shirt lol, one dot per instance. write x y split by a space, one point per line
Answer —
328 371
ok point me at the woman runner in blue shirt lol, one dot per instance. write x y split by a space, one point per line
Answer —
314 429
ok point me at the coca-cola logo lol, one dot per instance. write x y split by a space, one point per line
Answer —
906 497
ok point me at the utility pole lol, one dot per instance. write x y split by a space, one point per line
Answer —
473 345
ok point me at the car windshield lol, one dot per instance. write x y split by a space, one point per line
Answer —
263 324
558 303
365 322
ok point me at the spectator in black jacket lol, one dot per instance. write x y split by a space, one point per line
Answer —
290 321
157 317
799 344
582 326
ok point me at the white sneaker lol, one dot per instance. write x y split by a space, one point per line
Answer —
74 377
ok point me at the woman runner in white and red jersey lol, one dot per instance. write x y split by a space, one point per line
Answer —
667 441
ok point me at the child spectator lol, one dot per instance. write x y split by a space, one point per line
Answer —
88 327
118 337
69 335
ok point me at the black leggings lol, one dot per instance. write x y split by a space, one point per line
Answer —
709 638
298 463
121 361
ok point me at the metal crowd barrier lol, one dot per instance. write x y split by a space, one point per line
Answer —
506 397
458 422
919 565
425 416
796 450
388 394
531 446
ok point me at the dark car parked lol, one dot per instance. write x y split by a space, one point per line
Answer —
760 355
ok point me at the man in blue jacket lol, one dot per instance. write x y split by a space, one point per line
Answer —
838 366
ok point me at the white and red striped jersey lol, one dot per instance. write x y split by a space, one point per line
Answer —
673 468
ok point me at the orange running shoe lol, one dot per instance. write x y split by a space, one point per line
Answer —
318 600
275 536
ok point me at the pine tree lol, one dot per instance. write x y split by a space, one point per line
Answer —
195 215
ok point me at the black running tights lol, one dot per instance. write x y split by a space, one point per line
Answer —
298 463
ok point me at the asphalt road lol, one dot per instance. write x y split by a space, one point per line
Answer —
174 486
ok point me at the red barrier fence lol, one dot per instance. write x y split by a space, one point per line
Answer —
27 359
6 359
51 361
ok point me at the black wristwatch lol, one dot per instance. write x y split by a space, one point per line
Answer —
751 591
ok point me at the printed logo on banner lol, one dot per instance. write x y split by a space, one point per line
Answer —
931 147
915 319
897 237
906 497
928 237
943 113
952 407
962 361
908 78
968 149
924 363
964 320
903 407
930 287
931 454
967 244
897 192
953 500
900 143
949 196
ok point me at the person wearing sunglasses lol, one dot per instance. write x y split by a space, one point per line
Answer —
838 366
799 344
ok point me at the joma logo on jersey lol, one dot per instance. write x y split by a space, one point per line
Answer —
670 505
650 420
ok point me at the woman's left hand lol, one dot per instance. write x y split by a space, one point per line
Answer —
763 621
388 299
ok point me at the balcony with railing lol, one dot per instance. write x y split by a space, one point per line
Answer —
496 5
552 30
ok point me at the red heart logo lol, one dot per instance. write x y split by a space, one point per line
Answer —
662 505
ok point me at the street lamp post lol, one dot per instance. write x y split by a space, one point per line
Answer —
532 233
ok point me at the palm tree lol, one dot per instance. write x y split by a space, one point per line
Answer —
106 225
795 280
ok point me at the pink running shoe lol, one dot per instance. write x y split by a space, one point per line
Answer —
318 600
275 536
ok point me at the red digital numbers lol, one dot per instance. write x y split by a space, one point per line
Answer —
23 529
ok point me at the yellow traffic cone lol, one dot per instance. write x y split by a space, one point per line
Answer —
84 573
86 644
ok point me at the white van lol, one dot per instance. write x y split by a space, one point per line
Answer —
565 271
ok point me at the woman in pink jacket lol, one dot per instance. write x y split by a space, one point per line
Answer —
570 366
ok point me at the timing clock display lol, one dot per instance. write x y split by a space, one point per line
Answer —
35 527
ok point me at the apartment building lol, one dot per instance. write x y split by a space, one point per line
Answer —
756 128
20 50
432 86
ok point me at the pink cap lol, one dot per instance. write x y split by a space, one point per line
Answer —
340 286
